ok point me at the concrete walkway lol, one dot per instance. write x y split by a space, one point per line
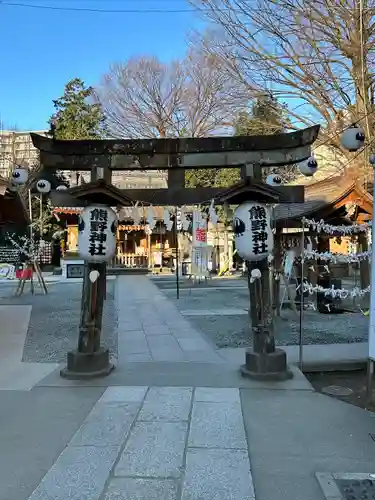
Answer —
175 421
322 357
152 444
150 327
184 443
14 374
293 435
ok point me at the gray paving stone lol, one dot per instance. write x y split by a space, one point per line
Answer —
126 335
170 395
152 319
217 425
166 308
154 449
161 354
152 412
214 395
141 489
194 344
166 404
126 324
142 357
224 311
176 320
217 475
204 356
79 473
157 329
120 394
133 346
128 311
107 424
163 342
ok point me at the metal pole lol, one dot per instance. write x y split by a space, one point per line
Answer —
41 215
177 261
302 300
371 329
370 376
31 216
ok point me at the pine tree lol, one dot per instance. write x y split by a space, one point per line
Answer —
266 117
76 115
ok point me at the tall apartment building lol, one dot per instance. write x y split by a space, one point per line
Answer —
16 148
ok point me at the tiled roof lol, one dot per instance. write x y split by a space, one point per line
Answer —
125 213
317 196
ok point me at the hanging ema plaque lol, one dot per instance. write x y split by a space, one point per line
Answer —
97 233
252 230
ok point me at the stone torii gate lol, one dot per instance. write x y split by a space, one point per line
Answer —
249 153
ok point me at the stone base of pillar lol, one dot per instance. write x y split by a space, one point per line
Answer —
83 366
272 366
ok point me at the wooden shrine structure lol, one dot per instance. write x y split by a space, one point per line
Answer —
338 200
249 153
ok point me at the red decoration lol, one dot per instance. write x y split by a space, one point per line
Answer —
24 274
200 235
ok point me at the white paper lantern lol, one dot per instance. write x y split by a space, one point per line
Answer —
353 138
273 180
308 167
252 231
97 233
43 186
62 187
19 176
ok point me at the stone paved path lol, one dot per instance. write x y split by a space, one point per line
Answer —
166 443
150 327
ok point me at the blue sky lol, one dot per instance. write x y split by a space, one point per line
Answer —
42 49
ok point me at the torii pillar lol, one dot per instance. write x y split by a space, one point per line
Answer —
263 361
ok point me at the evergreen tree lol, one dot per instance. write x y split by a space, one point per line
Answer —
266 117
76 115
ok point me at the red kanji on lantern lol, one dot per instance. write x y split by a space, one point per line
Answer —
200 235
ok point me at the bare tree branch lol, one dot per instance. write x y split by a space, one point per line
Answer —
147 98
318 55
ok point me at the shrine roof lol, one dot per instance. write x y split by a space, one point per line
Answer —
323 194
124 214
99 192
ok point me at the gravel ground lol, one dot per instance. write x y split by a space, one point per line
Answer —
53 328
233 330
